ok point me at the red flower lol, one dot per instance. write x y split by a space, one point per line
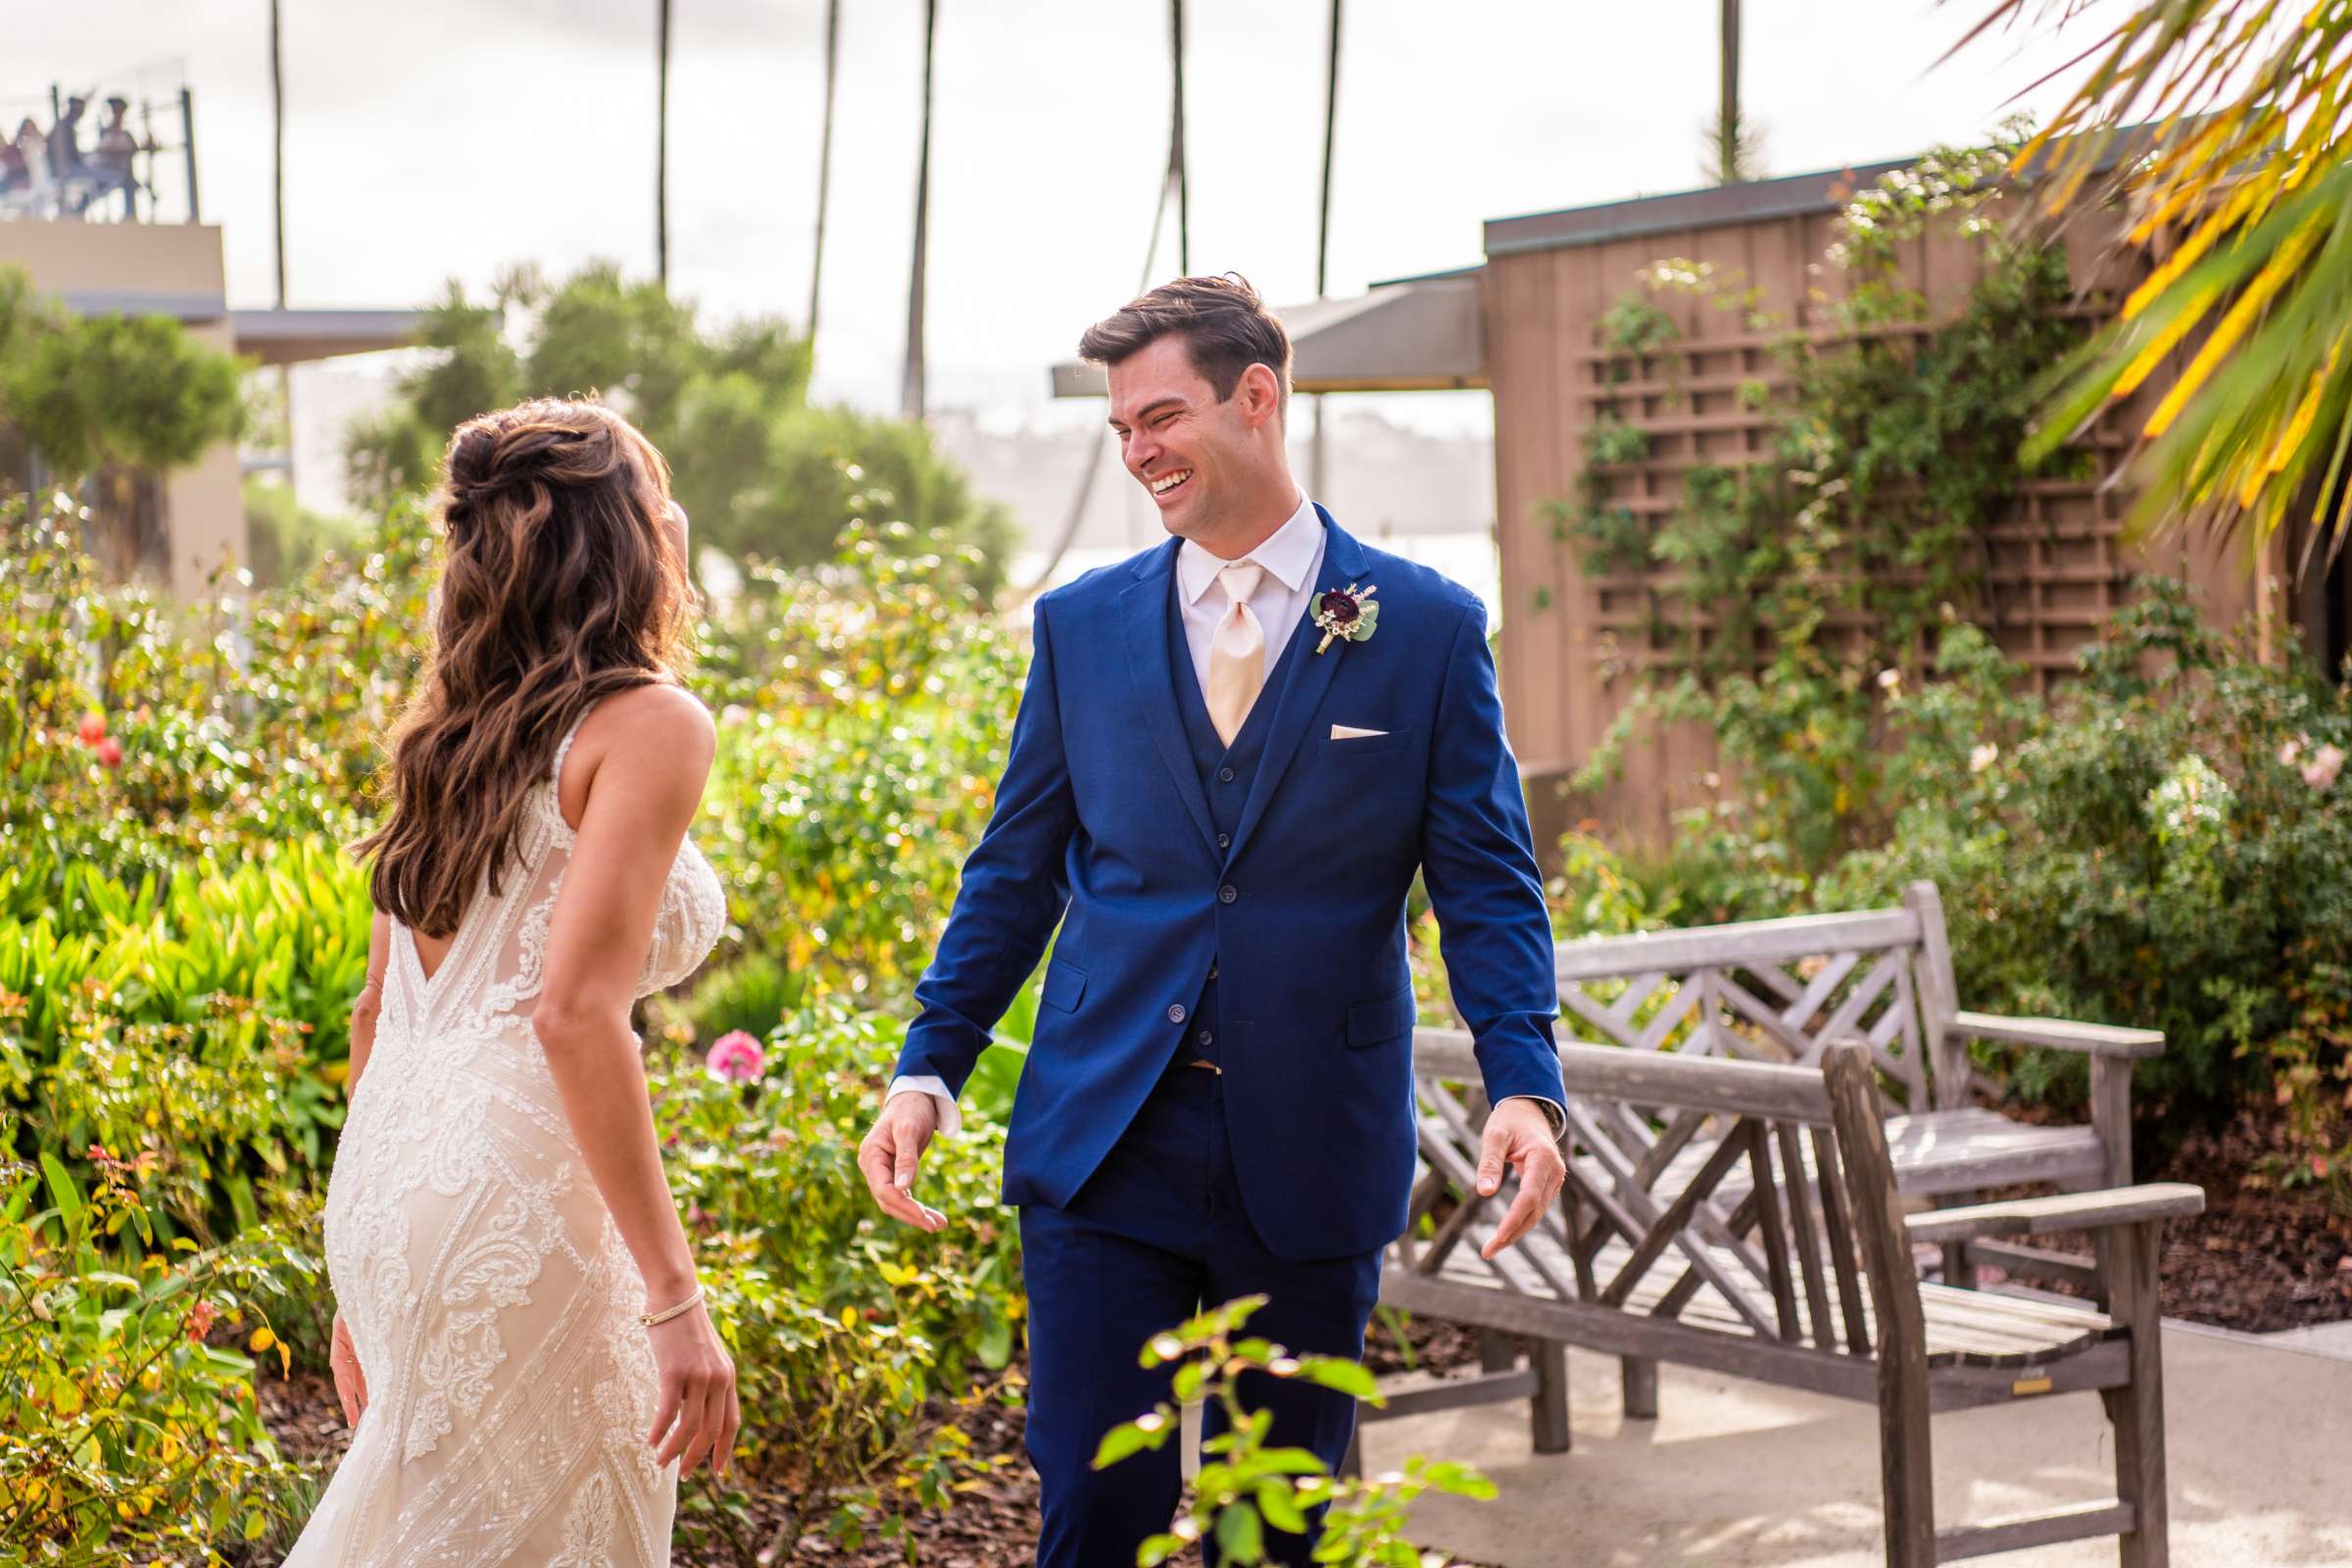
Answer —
93 727
1340 605
200 1320
110 751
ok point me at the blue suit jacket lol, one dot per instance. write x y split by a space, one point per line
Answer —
1101 823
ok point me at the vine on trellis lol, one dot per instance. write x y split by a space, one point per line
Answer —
1824 567
1894 452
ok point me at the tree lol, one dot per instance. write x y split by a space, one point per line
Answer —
1734 148
757 469
2237 182
88 392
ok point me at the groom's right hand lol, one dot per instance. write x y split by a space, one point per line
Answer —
891 1152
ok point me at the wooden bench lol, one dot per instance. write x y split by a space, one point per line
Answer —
1785 1257
1779 991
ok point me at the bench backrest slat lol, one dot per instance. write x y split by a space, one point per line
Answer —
1690 1196
1779 991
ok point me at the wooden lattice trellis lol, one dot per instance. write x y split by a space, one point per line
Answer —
2054 570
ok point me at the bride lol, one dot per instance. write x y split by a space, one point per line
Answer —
519 1338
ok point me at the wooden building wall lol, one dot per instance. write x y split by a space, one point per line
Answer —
1573 647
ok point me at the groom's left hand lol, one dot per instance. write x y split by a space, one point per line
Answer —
1519 1135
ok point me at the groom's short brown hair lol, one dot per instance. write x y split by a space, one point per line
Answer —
1225 326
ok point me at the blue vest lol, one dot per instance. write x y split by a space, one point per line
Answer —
1226 774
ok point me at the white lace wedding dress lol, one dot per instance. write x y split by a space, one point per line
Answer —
488 1295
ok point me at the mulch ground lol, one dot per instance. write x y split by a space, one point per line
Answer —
2258 1259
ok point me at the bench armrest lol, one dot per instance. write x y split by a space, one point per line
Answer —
2066 1211
2062 1033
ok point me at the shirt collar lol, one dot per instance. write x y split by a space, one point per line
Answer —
1287 554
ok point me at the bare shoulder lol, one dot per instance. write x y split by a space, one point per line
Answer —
652 744
657 715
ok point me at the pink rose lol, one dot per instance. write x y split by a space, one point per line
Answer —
736 1057
2324 765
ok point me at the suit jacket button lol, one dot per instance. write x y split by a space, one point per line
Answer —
1226 774
1176 1013
1228 893
1224 841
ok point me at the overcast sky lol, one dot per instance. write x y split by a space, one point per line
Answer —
431 139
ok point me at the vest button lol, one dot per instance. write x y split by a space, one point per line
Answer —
1228 893
1176 1013
1224 841
1226 774
1206 1038
1212 971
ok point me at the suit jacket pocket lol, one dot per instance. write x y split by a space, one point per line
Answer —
1365 745
1064 984
1373 1024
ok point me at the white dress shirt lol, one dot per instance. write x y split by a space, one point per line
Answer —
1293 556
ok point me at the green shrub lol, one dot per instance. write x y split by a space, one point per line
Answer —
1246 1487
129 1430
863 713
2161 845
853 1336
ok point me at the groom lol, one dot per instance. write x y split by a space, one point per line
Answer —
1224 807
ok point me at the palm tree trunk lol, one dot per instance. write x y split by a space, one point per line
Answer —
1184 209
662 149
824 164
1729 163
1316 471
278 151
277 200
911 402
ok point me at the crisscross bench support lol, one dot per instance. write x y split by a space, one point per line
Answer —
1781 991
1746 1217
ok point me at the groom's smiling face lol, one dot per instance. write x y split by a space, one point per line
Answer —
1201 458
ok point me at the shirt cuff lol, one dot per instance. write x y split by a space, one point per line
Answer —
951 1119
1554 1113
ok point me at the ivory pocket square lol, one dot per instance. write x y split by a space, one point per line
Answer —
1348 732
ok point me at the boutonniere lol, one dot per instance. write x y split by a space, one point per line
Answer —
1346 614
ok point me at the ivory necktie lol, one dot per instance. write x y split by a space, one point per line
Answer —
1237 652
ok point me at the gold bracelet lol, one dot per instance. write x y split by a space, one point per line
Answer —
649 1319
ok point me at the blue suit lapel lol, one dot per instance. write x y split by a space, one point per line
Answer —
1311 676
1144 611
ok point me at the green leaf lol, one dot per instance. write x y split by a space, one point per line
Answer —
1331 1372
62 1191
1133 1436
1281 1508
1240 1536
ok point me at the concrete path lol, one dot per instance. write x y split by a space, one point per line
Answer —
1738 1475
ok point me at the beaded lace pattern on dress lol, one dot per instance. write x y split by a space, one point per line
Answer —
488 1295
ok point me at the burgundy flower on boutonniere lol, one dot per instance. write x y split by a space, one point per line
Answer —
1348 614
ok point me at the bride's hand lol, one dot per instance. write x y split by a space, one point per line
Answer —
351 1384
697 1415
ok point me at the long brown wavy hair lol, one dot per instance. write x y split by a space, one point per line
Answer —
561 583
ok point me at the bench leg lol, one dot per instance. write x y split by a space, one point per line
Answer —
1640 1379
1907 1465
1959 1270
1551 1412
1497 1351
2137 1408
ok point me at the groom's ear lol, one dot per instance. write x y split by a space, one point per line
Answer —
1258 395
